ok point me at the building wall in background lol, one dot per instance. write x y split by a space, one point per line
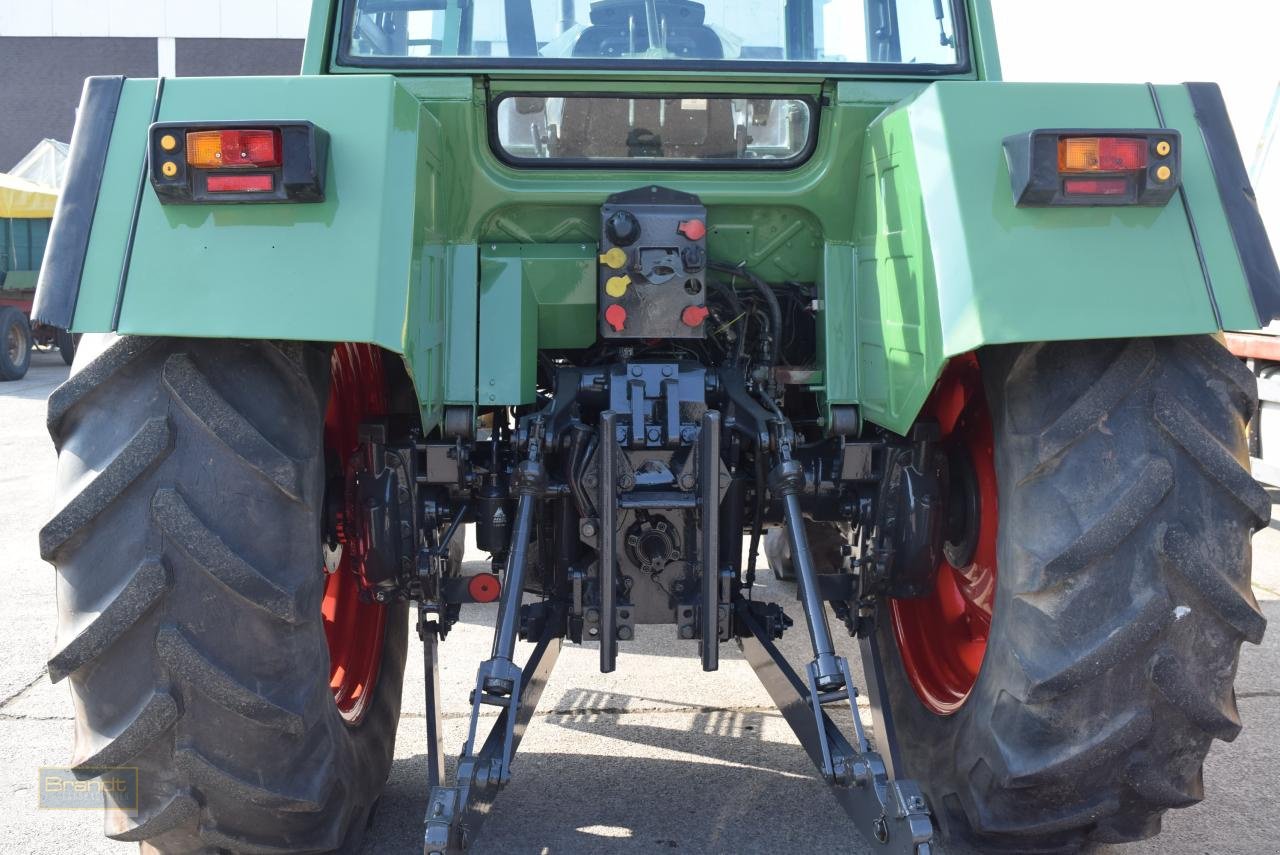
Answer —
48 48
228 57
42 79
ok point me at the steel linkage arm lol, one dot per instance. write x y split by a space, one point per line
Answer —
891 814
455 814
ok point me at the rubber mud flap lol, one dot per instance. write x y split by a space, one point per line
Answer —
1238 200
59 283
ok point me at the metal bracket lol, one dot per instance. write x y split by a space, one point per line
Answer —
891 814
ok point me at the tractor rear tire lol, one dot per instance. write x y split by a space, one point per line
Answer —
188 547
15 344
1126 510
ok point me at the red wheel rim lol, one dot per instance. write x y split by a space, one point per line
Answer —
943 638
353 622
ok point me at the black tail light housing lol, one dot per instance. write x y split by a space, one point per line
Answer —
290 167
1094 168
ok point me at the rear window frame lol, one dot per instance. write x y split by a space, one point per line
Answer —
483 64
652 164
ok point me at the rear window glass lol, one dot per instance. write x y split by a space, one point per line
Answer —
627 131
918 35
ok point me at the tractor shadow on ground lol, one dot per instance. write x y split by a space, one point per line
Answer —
637 774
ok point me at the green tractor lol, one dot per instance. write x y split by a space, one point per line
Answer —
618 283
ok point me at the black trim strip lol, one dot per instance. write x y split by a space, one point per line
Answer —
58 288
1191 220
1238 200
483 64
137 209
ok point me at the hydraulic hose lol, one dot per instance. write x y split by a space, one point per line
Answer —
770 299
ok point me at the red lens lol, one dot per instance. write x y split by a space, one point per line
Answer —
1096 186
241 183
250 148
484 588
1116 154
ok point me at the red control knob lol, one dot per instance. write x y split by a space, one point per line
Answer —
694 315
616 317
693 229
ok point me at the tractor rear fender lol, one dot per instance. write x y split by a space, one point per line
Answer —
364 265
947 262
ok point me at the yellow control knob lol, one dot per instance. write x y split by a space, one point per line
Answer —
169 168
1164 173
617 286
614 259
168 142
1163 148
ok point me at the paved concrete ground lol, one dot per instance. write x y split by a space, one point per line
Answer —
656 757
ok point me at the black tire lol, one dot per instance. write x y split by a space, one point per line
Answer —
66 342
188 548
15 344
1126 512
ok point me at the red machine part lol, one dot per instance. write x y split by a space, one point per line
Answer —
353 623
943 638
616 317
484 588
694 230
694 315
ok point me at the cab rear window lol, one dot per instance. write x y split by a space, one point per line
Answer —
626 131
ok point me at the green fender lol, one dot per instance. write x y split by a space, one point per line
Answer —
945 263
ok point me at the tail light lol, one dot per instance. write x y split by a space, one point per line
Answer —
233 149
1094 168
202 163
1101 154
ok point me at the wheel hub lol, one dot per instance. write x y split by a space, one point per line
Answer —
15 341
353 622
943 638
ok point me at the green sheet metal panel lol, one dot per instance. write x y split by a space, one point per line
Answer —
112 216
463 299
282 271
947 263
508 329
426 340
532 297
563 280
